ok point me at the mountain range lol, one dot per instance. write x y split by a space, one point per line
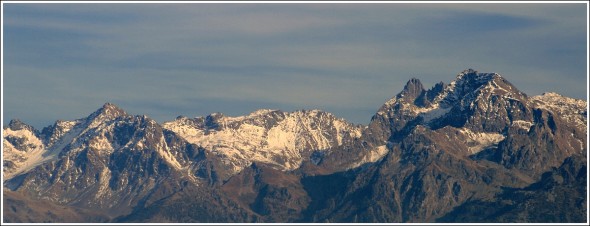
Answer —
474 150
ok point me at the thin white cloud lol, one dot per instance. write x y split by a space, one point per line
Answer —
332 56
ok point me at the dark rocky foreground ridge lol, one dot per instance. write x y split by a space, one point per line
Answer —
474 150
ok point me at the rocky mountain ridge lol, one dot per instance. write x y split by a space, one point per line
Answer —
424 155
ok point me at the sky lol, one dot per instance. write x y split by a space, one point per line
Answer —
64 61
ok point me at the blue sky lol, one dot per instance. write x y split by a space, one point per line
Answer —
63 61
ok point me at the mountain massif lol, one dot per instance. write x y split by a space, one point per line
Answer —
474 150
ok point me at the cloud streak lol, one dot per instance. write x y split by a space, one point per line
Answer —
64 60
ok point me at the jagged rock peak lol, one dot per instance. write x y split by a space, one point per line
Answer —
181 117
473 76
435 90
438 86
111 109
107 112
467 71
470 80
260 112
111 106
17 124
216 115
551 94
213 117
414 81
412 89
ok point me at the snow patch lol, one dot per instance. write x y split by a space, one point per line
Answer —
168 157
428 114
525 125
103 189
23 160
66 125
373 155
261 112
570 109
480 141
101 143
282 136
244 139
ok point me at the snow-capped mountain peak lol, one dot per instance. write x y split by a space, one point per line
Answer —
54 139
281 139
473 75
107 112
481 102
470 84
22 146
261 112
415 99
572 110
425 151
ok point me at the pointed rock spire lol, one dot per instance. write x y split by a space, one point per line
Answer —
412 90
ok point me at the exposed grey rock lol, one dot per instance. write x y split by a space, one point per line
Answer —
436 155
